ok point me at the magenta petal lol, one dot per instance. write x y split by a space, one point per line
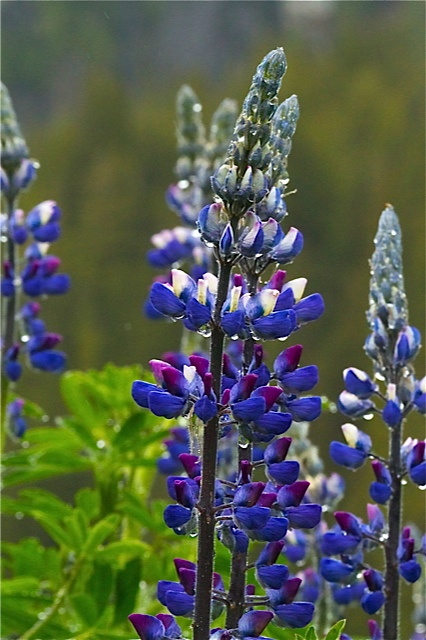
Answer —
147 627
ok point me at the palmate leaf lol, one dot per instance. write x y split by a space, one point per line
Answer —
100 586
99 397
29 558
119 552
85 607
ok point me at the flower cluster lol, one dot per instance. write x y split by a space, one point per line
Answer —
392 346
232 397
32 272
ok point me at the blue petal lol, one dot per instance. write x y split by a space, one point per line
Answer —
141 390
49 360
164 300
347 456
176 516
391 414
274 422
163 586
418 474
336 543
233 323
147 627
309 308
410 570
380 492
205 409
278 324
198 314
275 529
165 405
305 516
253 623
47 232
305 409
250 409
284 472
251 517
295 615
272 577
372 601
56 284
303 379
180 603
334 570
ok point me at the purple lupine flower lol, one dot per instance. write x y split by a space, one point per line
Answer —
373 598
155 627
17 422
416 463
408 567
288 613
176 445
12 368
354 454
358 383
334 570
381 489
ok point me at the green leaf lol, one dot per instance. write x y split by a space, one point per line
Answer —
100 585
336 630
311 634
19 586
127 588
76 525
115 552
85 607
89 502
100 532
55 531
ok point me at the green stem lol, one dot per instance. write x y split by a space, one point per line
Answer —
51 611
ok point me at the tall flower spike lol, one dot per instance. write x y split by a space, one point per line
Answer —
388 301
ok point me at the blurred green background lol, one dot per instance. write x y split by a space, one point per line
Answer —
94 86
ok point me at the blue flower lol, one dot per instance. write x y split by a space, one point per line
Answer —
155 627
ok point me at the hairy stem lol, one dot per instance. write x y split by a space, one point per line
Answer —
206 527
391 610
237 586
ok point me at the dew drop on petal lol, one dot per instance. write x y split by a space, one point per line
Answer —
422 487
25 338
368 416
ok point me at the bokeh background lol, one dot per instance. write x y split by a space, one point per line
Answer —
94 86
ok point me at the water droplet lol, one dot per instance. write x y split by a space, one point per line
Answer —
17 282
25 444
283 339
368 416
42 615
393 233
197 107
61 611
101 444
19 515
117 428
45 418
3 239
422 487
183 184
379 376
404 482
25 338
193 535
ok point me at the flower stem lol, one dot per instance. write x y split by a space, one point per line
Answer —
206 527
391 609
